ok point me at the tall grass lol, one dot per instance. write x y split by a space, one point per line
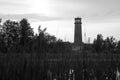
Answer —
36 66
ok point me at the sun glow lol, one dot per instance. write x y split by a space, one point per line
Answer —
41 6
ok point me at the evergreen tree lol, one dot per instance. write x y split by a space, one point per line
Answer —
26 32
98 43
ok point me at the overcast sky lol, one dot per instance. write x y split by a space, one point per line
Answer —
98 16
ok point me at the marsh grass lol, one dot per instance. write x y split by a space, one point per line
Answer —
38 67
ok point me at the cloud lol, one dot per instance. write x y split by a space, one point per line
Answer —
90 9
12 3
32 17
95 10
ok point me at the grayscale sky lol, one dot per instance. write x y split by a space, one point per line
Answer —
98 16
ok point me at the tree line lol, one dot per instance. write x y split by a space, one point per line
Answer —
108 45
19 37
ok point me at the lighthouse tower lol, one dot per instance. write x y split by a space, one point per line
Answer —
78 33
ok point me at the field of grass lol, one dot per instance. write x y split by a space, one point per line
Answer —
36 66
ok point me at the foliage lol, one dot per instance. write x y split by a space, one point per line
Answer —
105 45
118 47
26 33
98 43
19 37
110 44
9 35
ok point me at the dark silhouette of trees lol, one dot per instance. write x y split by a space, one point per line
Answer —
26 33
98 43
110 44
118 47
18 37
107 45
41 40
9 36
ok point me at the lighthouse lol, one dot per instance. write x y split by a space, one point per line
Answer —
78 33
